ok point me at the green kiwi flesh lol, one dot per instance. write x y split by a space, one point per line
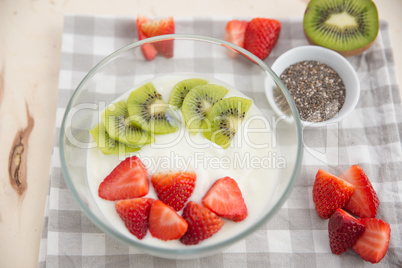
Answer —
107 145
120 127
224 119
180 90
198 103
347 26
147 109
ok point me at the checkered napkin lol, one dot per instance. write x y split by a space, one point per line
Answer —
295 236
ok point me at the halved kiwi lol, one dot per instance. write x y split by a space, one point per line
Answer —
148 110
346 26
120 127
107 145
180 90
224 119
198 103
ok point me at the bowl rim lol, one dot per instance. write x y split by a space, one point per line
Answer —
199 250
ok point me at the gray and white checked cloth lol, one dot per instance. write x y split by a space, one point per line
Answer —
296 236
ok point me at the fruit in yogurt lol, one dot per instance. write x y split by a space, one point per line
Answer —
224 120
181 89
129 179
174 188
198 103
148 50
160 27
148 110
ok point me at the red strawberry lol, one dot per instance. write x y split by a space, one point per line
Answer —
344 230
330 193
161 27
202 223
174 188
134 213
165 223
128 180
234 32
261 36
373 244
148 50
364 201
226 200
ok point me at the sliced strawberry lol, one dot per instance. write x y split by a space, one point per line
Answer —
165 223
373 244
202 223
134 213
148 50
330 193
235 31
128 180
161 27
364 201
226 200
261 36
174 188
344 230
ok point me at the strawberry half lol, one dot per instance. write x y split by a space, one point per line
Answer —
344 230
330 193
161 27
364 201
202 223
165 223
134 213
148 50
373 244
174 188
226 200
235 31
261 36
128 180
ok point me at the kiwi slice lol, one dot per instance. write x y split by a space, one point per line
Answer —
224 119
108 145
198 103
120 127
148 110
346 26
180 90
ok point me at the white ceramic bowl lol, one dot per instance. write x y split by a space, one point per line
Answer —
331 58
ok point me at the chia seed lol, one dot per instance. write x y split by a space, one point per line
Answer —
317 90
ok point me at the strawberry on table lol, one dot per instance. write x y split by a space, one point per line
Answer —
235 31
134 213
174 187
202 223
226 200
344 230
148 50
261 36
364 201
165 223
373 244
330 193
128 180
161 27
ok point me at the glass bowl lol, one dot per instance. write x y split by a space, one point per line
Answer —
214 59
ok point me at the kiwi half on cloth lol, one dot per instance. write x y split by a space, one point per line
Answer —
346 26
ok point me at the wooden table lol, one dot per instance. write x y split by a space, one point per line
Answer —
30 39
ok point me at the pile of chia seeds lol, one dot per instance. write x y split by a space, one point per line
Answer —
317 90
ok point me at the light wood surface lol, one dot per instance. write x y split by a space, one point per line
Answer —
30 40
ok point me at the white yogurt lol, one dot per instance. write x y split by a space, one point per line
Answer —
247 160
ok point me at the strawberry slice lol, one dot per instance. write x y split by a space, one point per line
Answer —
174 188
235 31
373 244
364 201
202 223
226 200
330 193
148 50
261 36
128 180
165 223
344 230
134 213
161 27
